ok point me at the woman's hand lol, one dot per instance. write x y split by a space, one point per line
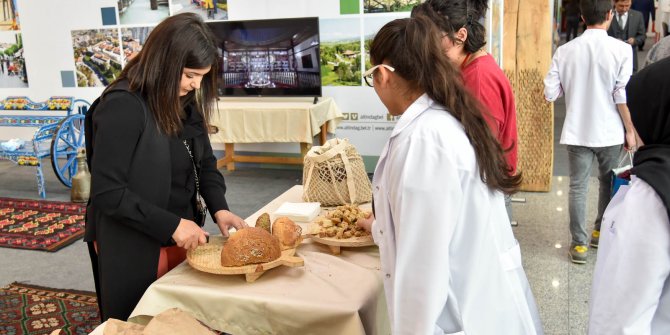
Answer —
366 223
189 235
226 220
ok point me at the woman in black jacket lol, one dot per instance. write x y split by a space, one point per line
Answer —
152 164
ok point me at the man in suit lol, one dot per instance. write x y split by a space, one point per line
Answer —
628 26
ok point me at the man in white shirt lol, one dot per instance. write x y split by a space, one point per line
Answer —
592 71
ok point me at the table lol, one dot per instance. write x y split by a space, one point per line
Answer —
272 120
329 295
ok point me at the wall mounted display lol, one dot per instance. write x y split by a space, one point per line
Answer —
143 11
10 15
208 9
340 52
13 72
97 56
132 40
269 57
385 6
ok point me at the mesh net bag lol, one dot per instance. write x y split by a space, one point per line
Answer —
334 174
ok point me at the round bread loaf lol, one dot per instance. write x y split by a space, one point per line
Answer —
288 233
250 246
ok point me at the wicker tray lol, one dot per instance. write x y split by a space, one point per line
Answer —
207 258
335 244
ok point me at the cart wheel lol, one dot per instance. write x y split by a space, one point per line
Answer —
80 106
68 138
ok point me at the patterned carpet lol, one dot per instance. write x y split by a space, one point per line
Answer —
31 310
40 225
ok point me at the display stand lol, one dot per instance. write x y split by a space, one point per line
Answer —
270 120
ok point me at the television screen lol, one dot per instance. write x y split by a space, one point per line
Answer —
269 57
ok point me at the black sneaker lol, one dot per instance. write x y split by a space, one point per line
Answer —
595 238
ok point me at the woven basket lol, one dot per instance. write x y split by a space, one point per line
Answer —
207 258
334 174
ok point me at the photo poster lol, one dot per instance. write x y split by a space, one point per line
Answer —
91 41
13 72
9 16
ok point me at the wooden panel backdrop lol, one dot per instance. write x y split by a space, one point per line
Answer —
527 48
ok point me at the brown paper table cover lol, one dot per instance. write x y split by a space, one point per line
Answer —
329 295
273 120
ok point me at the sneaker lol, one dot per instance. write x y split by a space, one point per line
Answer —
595 238
578 254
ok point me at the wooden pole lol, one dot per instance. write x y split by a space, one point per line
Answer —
527 41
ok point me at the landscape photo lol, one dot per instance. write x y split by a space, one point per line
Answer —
386 6
371 26
340 52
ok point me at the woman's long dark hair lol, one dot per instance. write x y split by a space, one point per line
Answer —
452 15
412 46
179 41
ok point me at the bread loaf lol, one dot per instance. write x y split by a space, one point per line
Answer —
250 246
288 233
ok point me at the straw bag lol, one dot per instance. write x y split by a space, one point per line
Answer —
334 174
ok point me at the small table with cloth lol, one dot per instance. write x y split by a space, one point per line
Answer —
272 120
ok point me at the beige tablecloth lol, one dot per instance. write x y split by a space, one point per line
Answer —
329 295
260 121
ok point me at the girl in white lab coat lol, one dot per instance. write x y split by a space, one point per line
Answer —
631 282
450 263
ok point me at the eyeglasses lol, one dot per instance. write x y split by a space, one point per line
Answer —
368 74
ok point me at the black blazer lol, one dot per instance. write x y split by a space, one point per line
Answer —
634 28
127 214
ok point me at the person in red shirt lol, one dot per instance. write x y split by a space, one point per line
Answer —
463 39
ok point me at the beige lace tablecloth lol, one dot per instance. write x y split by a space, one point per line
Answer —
329 295
273 120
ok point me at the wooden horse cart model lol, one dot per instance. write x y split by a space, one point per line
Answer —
58 125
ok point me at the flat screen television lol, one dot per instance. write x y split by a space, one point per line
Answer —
278 57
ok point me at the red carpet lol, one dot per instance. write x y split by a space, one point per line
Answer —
31 310
40 225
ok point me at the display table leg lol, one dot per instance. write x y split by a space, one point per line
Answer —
304 148
323 136
227 160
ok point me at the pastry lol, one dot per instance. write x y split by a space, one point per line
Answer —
263 221
288 233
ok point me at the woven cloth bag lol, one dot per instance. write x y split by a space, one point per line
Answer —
334 174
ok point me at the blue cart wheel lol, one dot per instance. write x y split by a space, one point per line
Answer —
68 138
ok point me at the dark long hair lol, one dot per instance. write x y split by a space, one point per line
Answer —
179 41
452 15
412 46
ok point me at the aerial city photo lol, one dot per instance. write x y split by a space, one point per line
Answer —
97 56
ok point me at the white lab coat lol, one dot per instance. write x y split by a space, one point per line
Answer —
449 260
630 293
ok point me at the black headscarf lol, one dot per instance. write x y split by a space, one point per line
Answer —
648 95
